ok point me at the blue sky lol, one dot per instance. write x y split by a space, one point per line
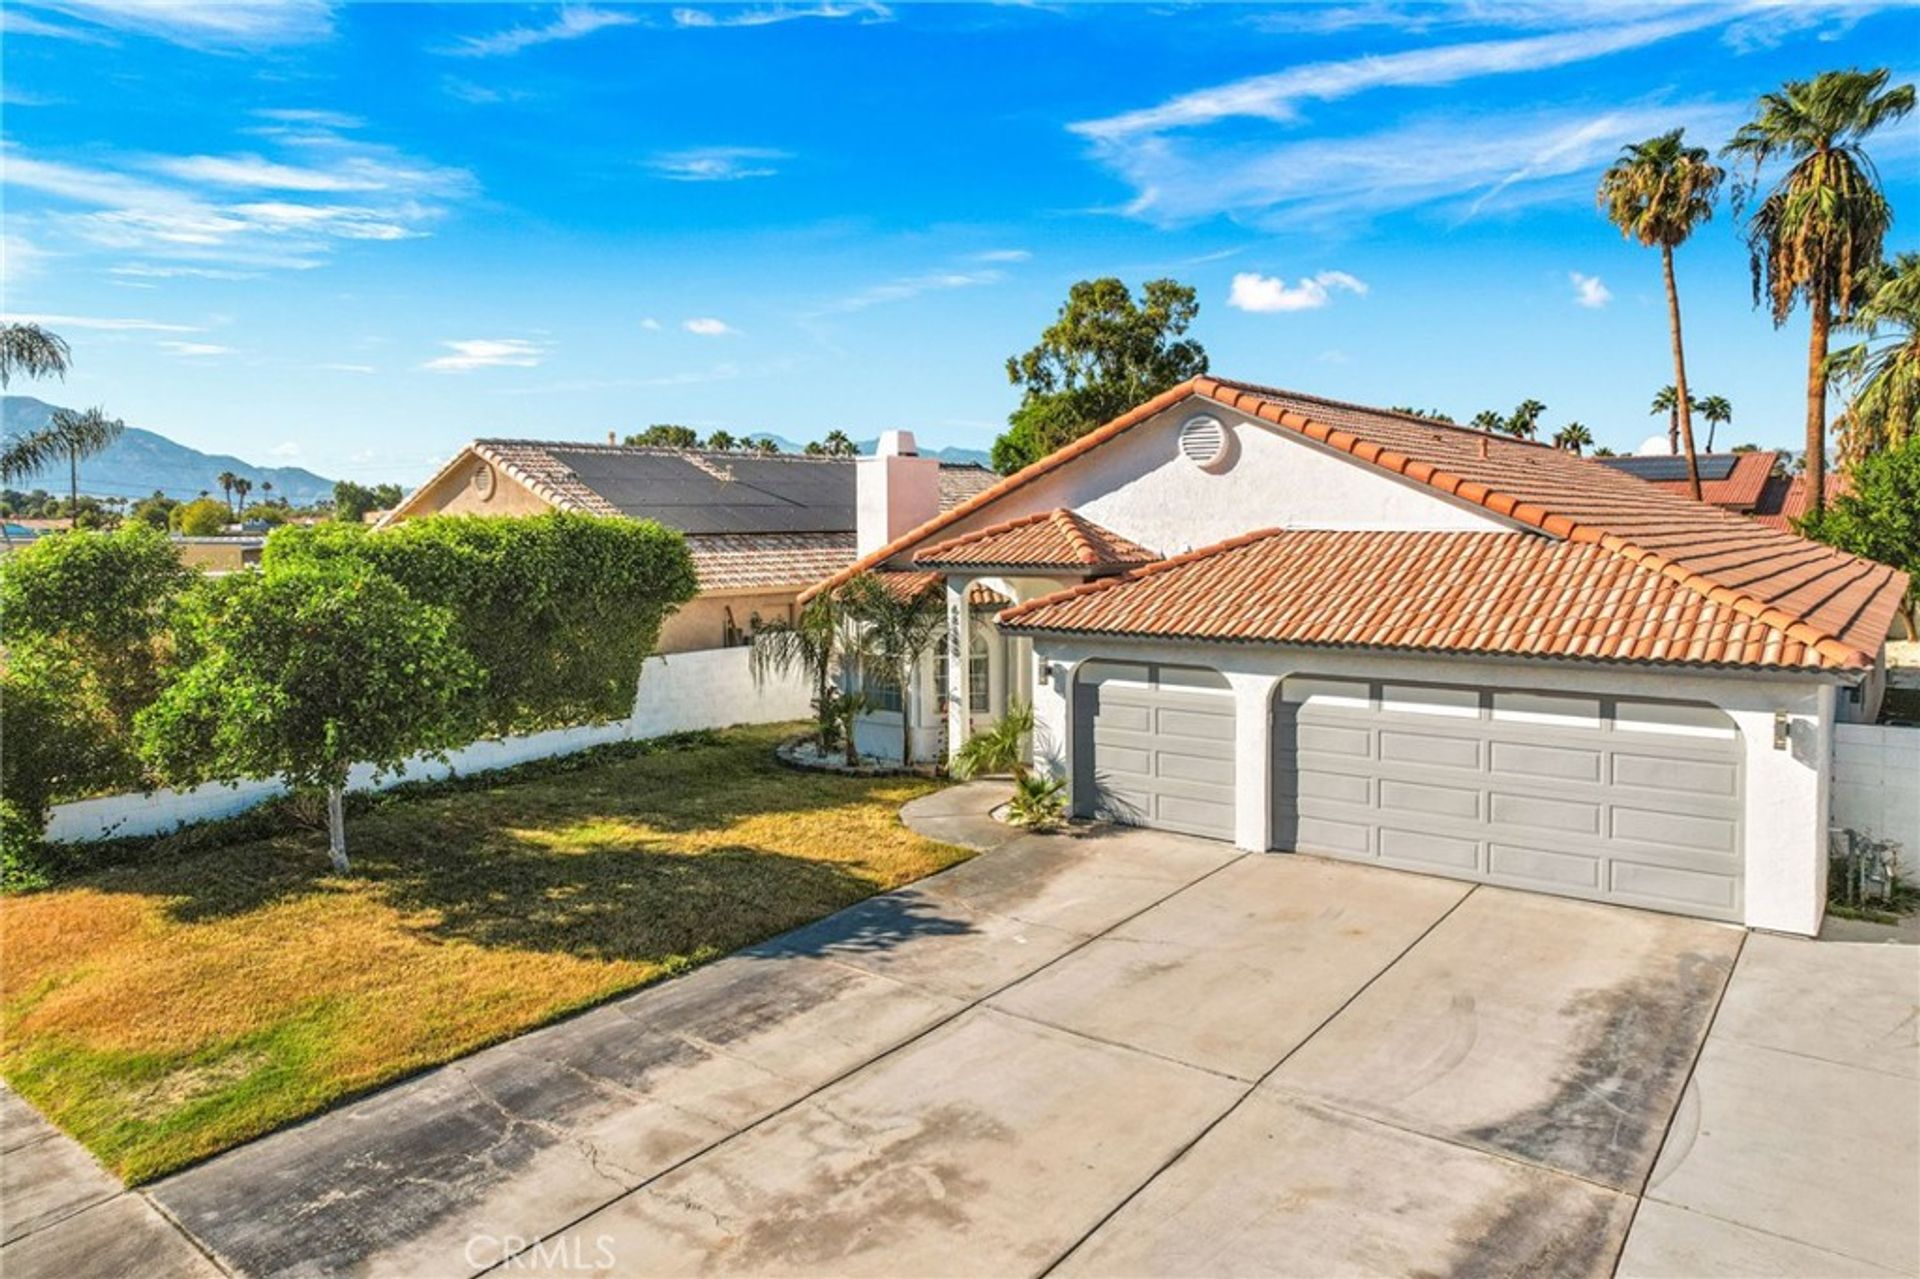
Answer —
352 237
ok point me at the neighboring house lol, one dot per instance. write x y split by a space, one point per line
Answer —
1379 637
1752 483
759 527
219 554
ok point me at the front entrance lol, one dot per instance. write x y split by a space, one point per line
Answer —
1154 746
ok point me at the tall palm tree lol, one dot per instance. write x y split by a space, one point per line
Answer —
266 490
1657 192
1816 236
241 487
1882 371
75 435
896 626
226 481
1574 437
1488 420
1718 411
839 444
31 351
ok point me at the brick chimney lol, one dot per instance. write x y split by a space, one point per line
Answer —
895 490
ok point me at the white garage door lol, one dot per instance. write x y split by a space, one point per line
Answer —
1154 747
1588 796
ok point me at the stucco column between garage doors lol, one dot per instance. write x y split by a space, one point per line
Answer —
1785 804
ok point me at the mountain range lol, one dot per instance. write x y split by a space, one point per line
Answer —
141 461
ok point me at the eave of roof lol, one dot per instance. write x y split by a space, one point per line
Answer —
1056 539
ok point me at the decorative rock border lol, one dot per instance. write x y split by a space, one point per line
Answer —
799 753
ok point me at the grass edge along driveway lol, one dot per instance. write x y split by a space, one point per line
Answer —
161 1013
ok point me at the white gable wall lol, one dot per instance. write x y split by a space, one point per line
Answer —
1140 486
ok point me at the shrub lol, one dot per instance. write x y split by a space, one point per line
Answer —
558 610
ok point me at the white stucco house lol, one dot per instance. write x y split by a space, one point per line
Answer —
1302 625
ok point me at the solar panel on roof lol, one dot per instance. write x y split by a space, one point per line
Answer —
1663 467
762 495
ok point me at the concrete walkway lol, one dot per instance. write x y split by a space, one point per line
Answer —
1124 1052
61 1213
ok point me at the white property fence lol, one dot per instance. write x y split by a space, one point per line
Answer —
1876 784
708 688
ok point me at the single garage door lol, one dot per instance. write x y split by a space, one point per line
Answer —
1154 747
1588 796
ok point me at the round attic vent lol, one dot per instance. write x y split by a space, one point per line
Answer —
483 481
1204 441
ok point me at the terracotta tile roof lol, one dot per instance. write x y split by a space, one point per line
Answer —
1743 476
1785 498
747 561
1839 604
962 480
1050 539
1511 594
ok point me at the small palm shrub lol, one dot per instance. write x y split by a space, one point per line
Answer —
999 749
1039 802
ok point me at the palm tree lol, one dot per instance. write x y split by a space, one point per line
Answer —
1524 422
75 435
723 441
1882 371
241 487
896 626
811 643
266 490
31 351
765 446
815 449
1817 234
1657 192
1573 437
226 480
1488 420
839 444
1718 411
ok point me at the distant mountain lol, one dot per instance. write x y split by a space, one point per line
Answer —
141 461
952 453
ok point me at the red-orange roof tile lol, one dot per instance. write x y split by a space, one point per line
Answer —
1837 604
1784 499
1740 488
1058 539
1508 594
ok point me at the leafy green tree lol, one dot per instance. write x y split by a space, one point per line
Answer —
1101 356
1657 192
665 435
1718 411
1881 372
302 672
1879 517
202 517
60 742
27 350
1817 235
87 612
351 501
156 511
894 628
559 610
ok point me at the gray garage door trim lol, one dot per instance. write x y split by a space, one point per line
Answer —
1153 746
1581 794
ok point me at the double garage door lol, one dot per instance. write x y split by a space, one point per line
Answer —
1635 802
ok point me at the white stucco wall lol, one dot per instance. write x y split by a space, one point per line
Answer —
680 692
1876 785
1784 819
1139 486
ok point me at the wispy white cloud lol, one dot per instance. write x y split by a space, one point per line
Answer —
15 23
197 350
20 258
573 22
475 94
287 449
769 14
346 368
707 326
717 164
900 290
1588 291
232 25
1264 294
650 324
468 354
148 271
101 323
1279 96
1001 255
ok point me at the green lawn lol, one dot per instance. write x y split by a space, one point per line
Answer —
165 1012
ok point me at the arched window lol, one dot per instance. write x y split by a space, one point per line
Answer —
977 699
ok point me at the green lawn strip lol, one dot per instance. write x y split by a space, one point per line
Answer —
169 1009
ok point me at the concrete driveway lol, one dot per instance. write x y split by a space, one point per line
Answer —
1133 1053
